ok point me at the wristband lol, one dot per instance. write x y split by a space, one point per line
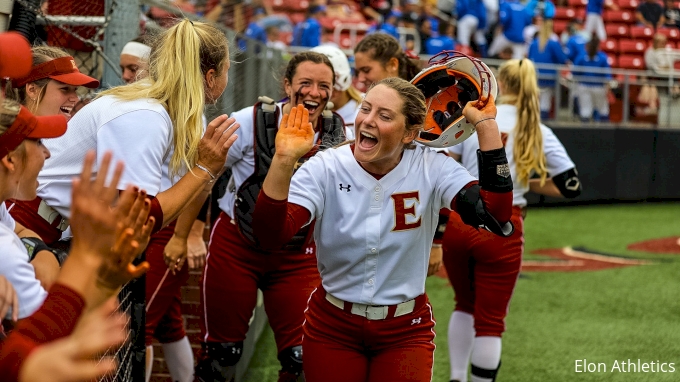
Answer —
482 120
494 172
33 246
212 176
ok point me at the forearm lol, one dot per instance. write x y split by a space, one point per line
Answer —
488 135
186 219
547 189
277 183
79 273
275 222
174 200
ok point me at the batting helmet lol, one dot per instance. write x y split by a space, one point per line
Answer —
343 74
449 83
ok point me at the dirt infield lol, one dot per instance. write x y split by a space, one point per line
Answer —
571 260
670 245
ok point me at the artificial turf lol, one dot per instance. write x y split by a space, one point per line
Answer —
608 316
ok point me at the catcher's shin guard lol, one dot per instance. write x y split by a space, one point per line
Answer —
217 362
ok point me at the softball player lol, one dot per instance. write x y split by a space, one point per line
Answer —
134 60
375 204
236 267
379 56
482 267
346 98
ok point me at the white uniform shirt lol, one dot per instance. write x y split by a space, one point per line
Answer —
17 270
557 159
349 114
138 132
241 157
373 236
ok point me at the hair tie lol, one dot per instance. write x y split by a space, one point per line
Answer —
411 55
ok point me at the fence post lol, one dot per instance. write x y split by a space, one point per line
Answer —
626 98
123 27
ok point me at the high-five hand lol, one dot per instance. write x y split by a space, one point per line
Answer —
296 135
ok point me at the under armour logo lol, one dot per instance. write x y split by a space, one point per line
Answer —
309 250
345 188
416 321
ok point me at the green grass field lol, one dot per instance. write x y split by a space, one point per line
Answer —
558 318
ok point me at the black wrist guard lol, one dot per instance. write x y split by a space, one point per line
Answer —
33 246
441 226
494 172
60 255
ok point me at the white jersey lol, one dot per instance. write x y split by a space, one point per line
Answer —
557 159
138 132
14 266
373 236
349 112
241 157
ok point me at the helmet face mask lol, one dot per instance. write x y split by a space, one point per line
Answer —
452 80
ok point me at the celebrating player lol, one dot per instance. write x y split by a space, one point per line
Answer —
482 267
236 264
379 56
375 205
134 60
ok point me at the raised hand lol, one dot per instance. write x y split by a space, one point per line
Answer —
473 114
215 144
296 135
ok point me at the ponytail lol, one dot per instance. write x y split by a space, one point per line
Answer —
179 60
408 67
521 86
544 34
354 94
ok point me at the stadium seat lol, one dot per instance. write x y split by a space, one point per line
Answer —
628 4
577 3
560 26
630 46
641 32
613 61
617 30
562 13
290 5
631 62
296 17
625 17
610 46
672 34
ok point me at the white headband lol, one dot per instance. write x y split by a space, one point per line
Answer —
136 49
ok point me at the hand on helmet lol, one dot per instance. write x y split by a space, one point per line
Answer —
473 114
296 135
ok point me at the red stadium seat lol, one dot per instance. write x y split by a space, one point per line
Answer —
630 46
625 17
296 17
560 26
290 5
562 13
610 46
628 4
613 60
631 62
577 3
641 32
672 34
617 31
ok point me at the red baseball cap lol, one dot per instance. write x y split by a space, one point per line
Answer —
28 126
15 55
63 69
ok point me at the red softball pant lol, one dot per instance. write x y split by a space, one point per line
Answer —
163 293
233 273
483 270
339 346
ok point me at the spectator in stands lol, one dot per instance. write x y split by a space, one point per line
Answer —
376 10
424 32
546 50
346 98
574 39
671 14
167 19
134 60
308 32
274 38
389 25
443 41
651 14
412 10
254 30
593 94
513 19
657 59
471 21
594 22
379 56
543 8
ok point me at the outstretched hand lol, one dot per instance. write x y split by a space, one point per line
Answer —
473 113
215 144
296 135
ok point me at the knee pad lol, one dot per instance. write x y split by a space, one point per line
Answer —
291 360
217 361
485 373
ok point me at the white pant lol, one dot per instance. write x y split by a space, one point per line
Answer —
592 98
467 26
594 24
500 42
545 98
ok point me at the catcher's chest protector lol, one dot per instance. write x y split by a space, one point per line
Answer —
266 117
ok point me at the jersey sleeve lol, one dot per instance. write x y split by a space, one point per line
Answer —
141 139
244 142
457 149
307 187
556 156
452 178
20 273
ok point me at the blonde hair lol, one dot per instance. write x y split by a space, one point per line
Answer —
521 88
180 58
8 114
544 34
354 94
41 54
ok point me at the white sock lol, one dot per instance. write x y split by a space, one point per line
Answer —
149 363
486 354
180 360
461 336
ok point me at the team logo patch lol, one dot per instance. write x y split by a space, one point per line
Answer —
503 170
416 321
345 188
